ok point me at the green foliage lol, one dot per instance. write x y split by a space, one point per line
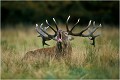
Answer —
33 11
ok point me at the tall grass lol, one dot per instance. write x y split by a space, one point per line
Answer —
87 62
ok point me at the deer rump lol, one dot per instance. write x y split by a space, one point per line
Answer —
63 48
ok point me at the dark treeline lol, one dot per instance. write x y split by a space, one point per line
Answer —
31 12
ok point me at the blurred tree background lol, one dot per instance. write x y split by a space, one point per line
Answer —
32 12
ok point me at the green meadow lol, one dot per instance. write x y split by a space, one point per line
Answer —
88 62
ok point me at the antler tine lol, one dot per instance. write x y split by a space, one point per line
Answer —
50 26
75 25
95 28
46 28
43 33
86 28
93 23
37 29
55 23
67 23
51 36
91 34
44 38
80 33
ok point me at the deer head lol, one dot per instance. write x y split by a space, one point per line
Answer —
62 37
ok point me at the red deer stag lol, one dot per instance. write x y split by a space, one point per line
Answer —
63 47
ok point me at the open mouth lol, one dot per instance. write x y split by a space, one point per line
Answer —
59 37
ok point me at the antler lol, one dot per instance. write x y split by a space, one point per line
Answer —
46 36
81 32
42 34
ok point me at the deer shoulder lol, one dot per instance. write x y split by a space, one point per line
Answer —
44 52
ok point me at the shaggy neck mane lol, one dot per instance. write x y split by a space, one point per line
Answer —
63 48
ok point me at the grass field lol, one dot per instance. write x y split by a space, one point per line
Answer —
88 62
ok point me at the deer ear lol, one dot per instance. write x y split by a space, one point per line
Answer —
70 37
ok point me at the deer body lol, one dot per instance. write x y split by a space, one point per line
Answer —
62 49
51 52
40 52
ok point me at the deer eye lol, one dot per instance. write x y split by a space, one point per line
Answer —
66 33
